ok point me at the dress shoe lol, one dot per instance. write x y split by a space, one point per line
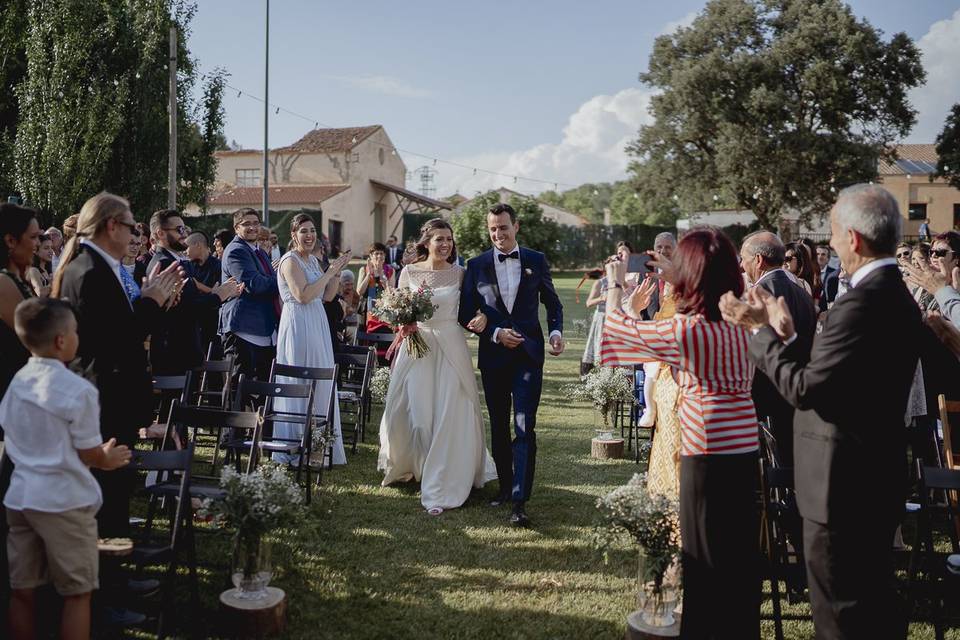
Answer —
120 618
501 499
518 517
142 587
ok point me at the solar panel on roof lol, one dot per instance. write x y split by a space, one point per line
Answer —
919 167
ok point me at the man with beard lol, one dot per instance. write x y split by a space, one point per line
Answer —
177 346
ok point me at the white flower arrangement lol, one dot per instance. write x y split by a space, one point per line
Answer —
255 503
404 308
604 387
380 384
651 522
580 326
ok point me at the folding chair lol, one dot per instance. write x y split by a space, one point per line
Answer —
216 380
948 408
380 341
924 555
300 447
354 391
325 398
215 420
174 467
166 389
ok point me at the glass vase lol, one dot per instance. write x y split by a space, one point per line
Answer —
652 596
252 569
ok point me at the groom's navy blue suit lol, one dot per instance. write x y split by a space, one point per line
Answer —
512 376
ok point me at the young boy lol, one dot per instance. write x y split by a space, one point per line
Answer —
51 420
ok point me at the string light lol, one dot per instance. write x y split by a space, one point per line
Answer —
393 150
793 193
636 196
277 112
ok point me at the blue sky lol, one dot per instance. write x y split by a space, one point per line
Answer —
540 89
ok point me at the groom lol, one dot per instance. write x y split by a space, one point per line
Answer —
507 284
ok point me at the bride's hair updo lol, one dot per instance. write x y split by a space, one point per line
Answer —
426 231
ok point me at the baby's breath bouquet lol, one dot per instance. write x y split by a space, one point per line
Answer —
254 504
652 523
604 387
404 308
380 383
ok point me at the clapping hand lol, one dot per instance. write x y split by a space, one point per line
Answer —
929 279
758 310
162 286
229 289
338 264
114 455
641 297
616 271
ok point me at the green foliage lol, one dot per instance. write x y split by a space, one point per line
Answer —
93 105
536 232
13 66
771 104
948 149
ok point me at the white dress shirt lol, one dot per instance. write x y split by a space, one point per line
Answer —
508 279
869 268
47 414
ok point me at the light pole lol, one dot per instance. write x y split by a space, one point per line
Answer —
266 115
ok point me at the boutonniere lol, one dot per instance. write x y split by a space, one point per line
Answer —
528 271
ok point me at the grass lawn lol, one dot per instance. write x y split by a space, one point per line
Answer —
367 562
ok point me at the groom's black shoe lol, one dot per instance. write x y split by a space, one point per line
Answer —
501 499
518 518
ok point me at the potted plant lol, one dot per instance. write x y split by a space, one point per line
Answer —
253 505
651 522
604 387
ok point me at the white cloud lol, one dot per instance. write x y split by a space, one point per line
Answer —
383 84
685 21
591 150
940 47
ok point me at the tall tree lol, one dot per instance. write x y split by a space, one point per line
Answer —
93 105
948 149
470 226
13 66
771 105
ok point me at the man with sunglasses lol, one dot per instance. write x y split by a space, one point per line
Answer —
177 346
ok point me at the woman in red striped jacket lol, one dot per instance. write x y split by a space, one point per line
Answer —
718 466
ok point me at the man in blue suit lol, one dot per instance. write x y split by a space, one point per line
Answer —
249 322
508 284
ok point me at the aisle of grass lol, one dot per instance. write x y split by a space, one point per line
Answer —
367 562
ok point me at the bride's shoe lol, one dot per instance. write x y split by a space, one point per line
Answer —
435 511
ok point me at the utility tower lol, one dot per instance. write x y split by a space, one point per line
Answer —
426 175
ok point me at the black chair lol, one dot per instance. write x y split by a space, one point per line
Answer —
353 392
261 440
214 420
379 341
166 389
216 382
174 469
325 398
935 481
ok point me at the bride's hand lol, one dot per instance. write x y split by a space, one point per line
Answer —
478 324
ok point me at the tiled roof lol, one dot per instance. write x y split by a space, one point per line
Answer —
284 194
331 140
918 159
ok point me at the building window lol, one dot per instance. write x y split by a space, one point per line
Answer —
248 177
381 155
917 211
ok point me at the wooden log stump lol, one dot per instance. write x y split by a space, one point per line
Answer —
637 629
606 449
115 547
254 618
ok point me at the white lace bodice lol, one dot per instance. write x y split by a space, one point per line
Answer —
445 285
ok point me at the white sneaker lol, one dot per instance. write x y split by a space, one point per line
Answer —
649 417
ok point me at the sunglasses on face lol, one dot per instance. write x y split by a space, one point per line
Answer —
789 259
903 254
940 253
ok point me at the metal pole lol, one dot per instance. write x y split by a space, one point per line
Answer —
266 116
172 156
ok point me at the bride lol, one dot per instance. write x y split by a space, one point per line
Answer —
432 428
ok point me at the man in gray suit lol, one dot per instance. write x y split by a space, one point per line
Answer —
761 257
663 246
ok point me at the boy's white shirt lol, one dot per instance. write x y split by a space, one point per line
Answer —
47 414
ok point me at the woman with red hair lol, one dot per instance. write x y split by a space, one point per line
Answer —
718 465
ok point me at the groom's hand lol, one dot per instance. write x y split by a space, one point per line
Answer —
557 345
509 338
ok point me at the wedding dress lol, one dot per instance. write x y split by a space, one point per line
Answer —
432 429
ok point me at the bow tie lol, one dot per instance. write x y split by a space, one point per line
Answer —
502 257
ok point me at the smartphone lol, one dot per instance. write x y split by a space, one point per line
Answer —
639 263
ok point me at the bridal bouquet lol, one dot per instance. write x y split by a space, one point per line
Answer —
404 308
